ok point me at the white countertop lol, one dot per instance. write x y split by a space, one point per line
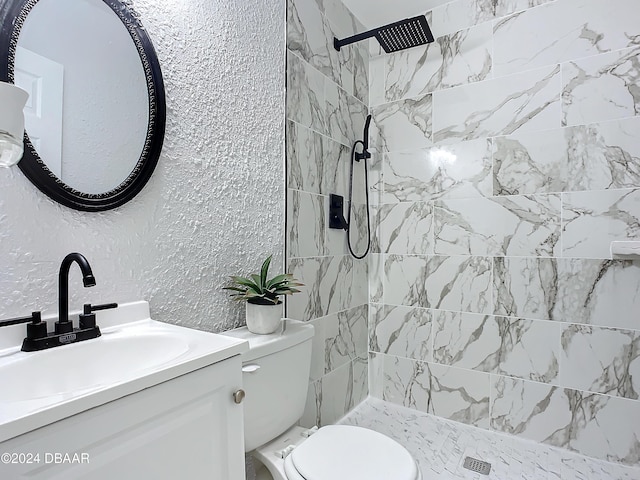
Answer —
100 370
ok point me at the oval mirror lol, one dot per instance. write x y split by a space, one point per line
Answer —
95 119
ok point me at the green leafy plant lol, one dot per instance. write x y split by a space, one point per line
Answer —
261 290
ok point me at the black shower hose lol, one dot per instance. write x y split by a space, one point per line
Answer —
366 186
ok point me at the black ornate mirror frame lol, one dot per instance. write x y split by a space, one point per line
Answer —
13 14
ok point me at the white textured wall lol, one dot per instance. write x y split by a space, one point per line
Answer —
215 204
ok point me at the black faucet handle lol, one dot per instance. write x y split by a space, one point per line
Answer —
37 328
88 308
88 318
34 318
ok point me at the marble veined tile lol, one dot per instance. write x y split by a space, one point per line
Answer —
447 171
345 115
306 34
599 292
304 158
330 397
461 14
592 220
375 229
529 349
586 157
402 331
531 410
360 60
362 177
457 394
405 228
466 340
357 114
530 162
602 360
596 425
452 60
525 287
509 346
360 292
328 284
603 87
459 283
310 35
377 75
514 225
306 102
439 447
334 162
376 179
306 224
360 381
405 279
346 337
450 283
501 106
336 392
316 163
376 264
403 125
338 14
317 347
311 415
563 30
604 155
336 239
359 229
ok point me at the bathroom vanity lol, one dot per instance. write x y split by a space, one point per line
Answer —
145 400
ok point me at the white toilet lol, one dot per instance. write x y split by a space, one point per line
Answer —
276 376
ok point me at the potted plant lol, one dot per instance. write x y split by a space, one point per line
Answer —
262 296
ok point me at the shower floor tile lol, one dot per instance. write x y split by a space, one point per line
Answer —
440 447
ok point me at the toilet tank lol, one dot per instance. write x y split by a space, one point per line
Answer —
275 374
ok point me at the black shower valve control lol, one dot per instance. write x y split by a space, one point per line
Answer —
336 212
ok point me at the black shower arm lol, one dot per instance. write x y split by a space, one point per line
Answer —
356 38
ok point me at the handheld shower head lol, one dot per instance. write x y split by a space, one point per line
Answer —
356 157
365 142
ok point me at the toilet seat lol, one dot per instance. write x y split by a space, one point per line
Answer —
356 453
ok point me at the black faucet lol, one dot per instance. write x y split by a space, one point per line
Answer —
39 338
63 325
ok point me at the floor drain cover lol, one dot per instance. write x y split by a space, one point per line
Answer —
477 466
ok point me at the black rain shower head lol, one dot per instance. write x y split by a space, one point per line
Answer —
407 33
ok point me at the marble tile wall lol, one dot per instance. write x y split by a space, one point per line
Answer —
508 160
327 95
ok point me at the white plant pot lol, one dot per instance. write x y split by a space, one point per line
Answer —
263 319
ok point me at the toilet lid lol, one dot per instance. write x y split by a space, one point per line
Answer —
342 451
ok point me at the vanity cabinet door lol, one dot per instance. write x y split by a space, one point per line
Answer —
186 428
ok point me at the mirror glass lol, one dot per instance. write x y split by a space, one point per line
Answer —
96 117
88 109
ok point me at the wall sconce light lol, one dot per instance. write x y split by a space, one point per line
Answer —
12 102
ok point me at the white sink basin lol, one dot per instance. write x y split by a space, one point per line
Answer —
60 371
133 353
